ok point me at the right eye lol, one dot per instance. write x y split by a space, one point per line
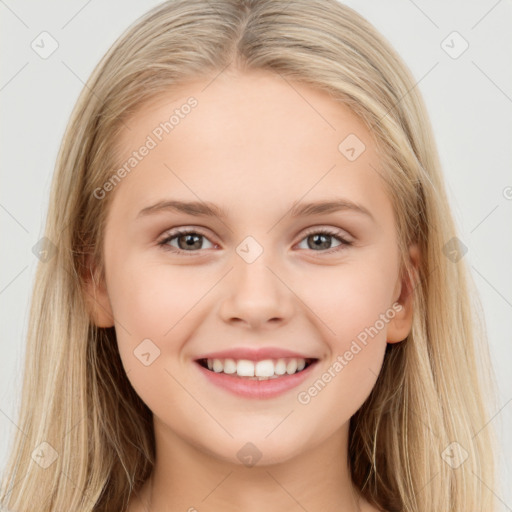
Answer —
186 240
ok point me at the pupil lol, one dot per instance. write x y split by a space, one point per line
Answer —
323 245
189 243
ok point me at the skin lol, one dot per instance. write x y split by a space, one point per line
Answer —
254 144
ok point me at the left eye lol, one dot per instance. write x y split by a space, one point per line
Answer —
320 239
190 241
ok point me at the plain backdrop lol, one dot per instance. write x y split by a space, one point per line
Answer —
468 93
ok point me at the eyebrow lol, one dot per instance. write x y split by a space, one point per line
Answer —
298 209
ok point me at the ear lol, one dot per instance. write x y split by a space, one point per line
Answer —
399 326
96 297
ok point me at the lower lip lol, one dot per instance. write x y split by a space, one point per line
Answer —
261 389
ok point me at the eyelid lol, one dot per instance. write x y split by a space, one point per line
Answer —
182 230
334 231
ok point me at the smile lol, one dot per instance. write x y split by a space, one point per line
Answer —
263 379
257 370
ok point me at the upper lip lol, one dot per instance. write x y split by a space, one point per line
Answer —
254 354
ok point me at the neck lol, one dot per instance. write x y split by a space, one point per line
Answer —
187 478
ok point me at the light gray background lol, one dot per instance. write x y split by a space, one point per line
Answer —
469 99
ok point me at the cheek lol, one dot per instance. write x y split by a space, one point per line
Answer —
351 304
349 298
151 299
153 307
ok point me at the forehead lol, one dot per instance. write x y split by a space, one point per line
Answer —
255 138
254 107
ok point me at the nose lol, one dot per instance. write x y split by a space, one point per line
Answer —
256 296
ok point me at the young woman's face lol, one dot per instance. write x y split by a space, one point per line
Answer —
259 273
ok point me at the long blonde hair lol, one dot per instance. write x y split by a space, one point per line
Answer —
85 440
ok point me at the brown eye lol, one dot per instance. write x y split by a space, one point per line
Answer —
186 241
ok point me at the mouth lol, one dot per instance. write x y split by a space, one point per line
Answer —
262 370
258 379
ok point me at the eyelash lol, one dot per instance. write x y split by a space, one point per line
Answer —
180 232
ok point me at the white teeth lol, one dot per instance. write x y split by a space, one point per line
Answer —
229 366
264 368
280 367
245 368
291 367
259 370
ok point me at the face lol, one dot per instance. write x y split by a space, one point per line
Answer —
257 274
